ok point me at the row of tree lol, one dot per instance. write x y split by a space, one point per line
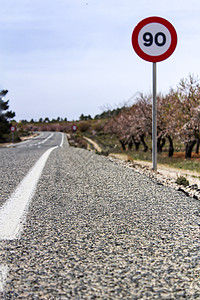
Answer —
44 120
104 115
178 115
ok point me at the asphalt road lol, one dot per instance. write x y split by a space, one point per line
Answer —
94 229
17 160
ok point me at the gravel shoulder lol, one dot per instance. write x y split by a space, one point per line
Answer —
97 229
165 171
168 172
165 175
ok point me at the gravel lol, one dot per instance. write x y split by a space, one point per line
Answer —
162 178
99 230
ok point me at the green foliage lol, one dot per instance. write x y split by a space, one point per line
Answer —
4 116
182 181
85 118
105 153
98 127
14 137
109 113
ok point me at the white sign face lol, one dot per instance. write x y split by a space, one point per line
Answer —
154 39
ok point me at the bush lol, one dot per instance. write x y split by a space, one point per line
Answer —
81 143
83 127
98 127
182 181
77 142
105 153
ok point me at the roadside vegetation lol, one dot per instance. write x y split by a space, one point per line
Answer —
5 120
128 129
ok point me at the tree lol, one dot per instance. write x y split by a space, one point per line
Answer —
178 116
188 95
46 120
5 115
85 118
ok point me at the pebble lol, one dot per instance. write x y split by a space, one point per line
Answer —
98 229
191 190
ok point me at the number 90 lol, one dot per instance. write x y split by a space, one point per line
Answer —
160 39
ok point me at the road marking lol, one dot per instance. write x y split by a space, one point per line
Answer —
42 142
62 141
3 276
14 211
22 143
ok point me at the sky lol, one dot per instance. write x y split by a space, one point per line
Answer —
64 58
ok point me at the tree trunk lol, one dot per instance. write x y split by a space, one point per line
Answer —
197 147
171 147
188 148
130 143
144 144
123 144
137 144
160 144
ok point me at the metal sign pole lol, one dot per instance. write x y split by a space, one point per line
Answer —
154 39
154 122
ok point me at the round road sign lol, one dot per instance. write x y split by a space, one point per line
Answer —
12 128
74 128
154 39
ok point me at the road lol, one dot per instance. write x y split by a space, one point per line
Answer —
91 228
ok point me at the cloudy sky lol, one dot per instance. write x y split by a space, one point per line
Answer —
68 57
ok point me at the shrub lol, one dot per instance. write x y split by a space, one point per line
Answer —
182 181
98 127
83 127
81 143
105 153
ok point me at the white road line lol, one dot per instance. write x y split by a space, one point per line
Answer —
62 141
3 276
13 213
25 142
42 142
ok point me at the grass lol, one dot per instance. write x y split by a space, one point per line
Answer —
107 142
110 143
178 162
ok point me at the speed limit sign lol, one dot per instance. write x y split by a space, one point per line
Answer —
154 39
74 128
12 128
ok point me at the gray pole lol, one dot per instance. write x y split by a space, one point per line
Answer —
154 122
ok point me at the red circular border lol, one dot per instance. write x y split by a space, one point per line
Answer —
136 32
